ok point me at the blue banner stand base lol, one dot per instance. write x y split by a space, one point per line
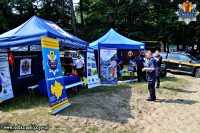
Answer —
56 111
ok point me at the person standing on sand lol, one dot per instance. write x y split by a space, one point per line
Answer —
158 59
151 76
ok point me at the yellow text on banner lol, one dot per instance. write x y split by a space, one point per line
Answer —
49 43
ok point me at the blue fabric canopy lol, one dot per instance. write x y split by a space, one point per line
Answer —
112 39
30 32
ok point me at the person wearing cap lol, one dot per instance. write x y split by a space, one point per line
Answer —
139 61
67 63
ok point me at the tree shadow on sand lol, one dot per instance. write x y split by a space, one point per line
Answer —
111 106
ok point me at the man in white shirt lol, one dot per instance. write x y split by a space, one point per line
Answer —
80 67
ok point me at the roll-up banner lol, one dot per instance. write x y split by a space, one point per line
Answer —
6 91
108 65
92 74
53 72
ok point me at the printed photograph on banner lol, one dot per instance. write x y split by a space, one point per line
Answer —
94 72
25 67
93 58
89 64
93 65
89 72
88 58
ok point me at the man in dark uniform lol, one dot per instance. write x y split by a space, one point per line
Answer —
151 76
67 62
158 59
140 65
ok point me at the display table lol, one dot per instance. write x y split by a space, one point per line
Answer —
126 81
67 80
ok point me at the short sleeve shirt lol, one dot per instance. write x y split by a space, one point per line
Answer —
158 63
151 64
139 61
79 63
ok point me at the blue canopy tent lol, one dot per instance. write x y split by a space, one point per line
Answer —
112 39
30 32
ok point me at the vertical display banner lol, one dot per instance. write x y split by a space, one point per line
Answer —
108 65
6 91
92 74
53 72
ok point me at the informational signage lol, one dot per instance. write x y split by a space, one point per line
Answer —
6 91
92 74
53 72
108 65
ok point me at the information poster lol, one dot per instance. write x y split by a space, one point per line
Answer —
92 76
6 91
53 72
108 65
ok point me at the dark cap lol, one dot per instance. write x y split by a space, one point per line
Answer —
138 54
67 52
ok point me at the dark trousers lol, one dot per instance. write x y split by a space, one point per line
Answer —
151 87
158 70
68 70
140 72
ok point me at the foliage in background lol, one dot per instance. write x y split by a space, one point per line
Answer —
153 20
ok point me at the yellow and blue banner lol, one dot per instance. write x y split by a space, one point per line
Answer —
53 72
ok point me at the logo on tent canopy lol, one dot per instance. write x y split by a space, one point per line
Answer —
130 53
58 29
52 62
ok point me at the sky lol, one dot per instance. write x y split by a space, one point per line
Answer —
74 2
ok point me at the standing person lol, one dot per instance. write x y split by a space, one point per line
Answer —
131 67
68 62
140 65
80 67
158 59
151 76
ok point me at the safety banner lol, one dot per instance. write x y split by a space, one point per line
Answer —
108 65
53 72
6 91
92 74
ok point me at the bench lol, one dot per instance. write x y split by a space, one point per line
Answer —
74 84
31 89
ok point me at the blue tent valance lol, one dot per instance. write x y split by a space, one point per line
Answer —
30 32
112 39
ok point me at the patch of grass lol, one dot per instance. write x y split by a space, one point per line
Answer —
57 126
23 101
93 129
68 129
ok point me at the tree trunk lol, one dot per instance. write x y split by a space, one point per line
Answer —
73 18
164 45
81 10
